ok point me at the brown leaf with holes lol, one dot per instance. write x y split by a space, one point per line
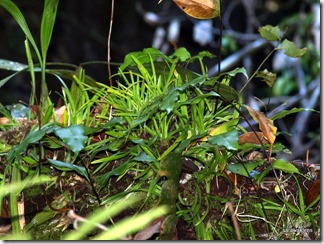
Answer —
265 125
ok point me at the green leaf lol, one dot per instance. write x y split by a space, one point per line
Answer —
285 166
47 24
11 65
181 53
143 157
68 166
73 136
270 33
144 57
240 170
291 50
228 140
201 55
169 101
284 113
267 76
236 71
32 137
30 181
120 170
227 92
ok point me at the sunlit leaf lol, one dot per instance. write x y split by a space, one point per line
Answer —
144 57
241 170
228 140
199 9
182 53
223 128
73 136
47 24
291 50
270 33
284 166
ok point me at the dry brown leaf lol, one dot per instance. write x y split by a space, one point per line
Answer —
265 125
60 114
252 137
150 230
313 191
199 9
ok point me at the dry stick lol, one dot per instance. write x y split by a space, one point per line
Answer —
109 37
229 205
72 215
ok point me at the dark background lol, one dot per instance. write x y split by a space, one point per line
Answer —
81 30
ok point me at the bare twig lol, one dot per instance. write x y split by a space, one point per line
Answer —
109 38
77 218
229 205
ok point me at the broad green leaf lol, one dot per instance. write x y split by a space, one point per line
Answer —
18 110
143 157
169 101
291 50
239 169
284 113
236 71
228 140
144 57
68 167
284 166
223 128
181 53
202 55
270 33
73 136
267 76
227 92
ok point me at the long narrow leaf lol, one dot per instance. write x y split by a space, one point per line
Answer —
47 25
